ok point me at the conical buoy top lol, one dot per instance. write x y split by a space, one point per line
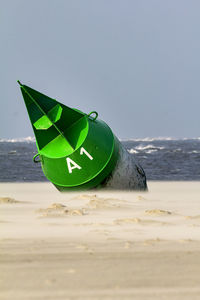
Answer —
53 123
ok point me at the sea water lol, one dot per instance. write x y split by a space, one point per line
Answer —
161 159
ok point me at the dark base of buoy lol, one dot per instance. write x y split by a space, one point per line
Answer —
127 175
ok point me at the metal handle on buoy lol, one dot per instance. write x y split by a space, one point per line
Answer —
93 112
34 158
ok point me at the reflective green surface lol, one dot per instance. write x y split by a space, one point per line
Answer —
76 150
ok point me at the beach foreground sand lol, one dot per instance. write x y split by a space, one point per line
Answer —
100 245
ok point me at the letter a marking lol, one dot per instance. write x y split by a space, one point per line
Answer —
72 165
86 153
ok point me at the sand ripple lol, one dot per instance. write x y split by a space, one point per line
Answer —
95 202
60 210
8 200
139 221
157 212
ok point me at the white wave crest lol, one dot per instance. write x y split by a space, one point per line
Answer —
132 151
28 139
151 151
194 151
152 139
149 139
147 149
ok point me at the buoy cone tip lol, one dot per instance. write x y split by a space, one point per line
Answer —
19 83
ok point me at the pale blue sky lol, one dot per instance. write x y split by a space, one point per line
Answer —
136 62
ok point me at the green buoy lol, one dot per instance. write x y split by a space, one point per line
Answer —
76 150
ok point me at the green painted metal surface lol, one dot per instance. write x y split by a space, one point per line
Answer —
76 150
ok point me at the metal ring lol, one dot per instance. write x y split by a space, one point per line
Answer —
93 112
34 158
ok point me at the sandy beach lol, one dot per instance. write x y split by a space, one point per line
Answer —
100 245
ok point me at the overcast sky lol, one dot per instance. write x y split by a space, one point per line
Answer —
136 62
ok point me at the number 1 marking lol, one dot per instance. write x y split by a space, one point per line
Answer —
86 153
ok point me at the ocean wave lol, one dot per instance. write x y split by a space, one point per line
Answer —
152 147
151 139
132 151
147 139
151 151
147 149
28 139
194 151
